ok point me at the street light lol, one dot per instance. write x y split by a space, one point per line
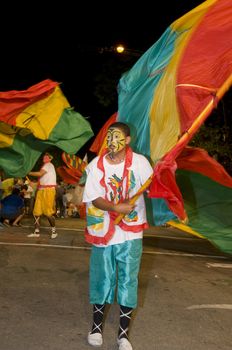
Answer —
117 49
120 48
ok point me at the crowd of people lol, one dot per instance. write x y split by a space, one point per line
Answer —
18 200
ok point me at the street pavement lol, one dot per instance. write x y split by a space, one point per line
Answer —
185 290
71 234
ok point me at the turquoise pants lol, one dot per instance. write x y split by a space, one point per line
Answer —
115 266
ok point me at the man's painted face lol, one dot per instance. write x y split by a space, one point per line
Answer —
116 140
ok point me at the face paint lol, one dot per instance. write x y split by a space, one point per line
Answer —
115 139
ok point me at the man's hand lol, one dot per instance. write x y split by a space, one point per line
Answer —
123 208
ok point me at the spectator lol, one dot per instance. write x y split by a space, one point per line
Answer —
12 208
7 186
27 197
60 203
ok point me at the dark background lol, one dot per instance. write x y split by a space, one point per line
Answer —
70 42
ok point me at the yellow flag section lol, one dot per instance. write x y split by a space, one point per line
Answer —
39 119
7 134
42 116
185 228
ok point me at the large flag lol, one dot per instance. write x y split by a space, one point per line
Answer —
33 120
165 98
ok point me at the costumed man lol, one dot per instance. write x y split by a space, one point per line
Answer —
45 203
112 179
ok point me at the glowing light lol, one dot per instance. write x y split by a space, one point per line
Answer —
120 48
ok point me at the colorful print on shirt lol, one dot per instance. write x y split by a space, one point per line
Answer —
95 218
116 193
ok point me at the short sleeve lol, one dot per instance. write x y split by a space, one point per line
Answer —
93 189
145 169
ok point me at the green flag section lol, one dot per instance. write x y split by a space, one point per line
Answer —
19 159
209 208
27 130
69 134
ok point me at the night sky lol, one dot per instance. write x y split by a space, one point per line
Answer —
63 41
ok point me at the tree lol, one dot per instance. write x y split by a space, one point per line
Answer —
215 135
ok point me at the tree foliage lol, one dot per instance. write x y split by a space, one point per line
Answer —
215 136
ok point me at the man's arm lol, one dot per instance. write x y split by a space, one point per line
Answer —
121 208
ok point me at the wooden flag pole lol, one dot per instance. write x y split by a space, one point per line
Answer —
134 198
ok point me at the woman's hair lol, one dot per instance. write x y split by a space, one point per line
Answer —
122 126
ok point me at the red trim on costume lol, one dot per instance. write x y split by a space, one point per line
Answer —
133 228
112 215
46 186
101 240
128 162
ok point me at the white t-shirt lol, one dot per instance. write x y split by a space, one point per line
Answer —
29 192
49 178
98 220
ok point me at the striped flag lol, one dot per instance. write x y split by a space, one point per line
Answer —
33 120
